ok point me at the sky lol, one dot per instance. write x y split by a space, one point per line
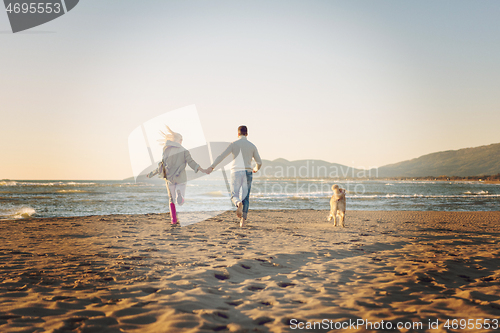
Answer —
360 83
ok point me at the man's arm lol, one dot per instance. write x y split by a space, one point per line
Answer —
257 159
222 156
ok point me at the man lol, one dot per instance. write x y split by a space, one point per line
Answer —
243 152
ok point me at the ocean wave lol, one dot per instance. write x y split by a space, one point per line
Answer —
318 195
72 184
134 184
71 191
17 213
292 194
477 193
8 183
482 193
216 194
54 184
297 197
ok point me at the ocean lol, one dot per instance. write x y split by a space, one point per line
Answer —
21 199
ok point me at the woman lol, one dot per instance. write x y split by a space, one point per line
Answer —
174 161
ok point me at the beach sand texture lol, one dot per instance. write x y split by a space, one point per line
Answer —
137 273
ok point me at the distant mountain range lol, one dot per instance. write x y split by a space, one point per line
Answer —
477 161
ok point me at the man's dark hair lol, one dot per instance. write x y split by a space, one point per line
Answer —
242 130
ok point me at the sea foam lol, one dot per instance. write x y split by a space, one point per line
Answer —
7 183
17 213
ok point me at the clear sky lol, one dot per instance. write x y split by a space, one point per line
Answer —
361 83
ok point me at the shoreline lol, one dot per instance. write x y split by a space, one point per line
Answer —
137 273
197 215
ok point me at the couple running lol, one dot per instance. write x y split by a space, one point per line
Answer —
175 158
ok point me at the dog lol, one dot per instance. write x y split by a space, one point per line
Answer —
337 206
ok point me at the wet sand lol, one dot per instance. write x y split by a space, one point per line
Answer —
287 269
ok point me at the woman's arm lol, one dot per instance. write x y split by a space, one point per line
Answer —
189 160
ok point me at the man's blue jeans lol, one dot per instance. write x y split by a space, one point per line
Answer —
241 180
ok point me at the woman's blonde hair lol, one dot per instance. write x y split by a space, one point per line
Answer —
170 136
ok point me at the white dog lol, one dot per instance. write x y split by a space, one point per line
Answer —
337 206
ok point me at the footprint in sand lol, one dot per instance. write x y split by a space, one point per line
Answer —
297 302
425 279
96 324
213 328
234 303
140 320
72 324
255 288
288 321
221 276
142 304
216 315
263 320
149 290
89 313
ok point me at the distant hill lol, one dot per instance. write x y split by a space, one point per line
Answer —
478 161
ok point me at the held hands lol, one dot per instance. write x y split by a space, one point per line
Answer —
207 171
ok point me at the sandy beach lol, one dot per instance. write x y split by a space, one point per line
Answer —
288 269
